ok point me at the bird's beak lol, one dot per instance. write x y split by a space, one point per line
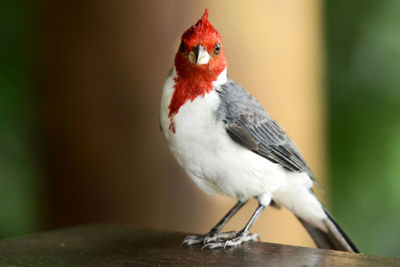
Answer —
199 55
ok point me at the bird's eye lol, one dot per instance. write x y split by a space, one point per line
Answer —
217 49
182 46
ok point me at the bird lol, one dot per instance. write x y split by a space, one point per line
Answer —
228 144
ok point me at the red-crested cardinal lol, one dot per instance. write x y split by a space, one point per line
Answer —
228 144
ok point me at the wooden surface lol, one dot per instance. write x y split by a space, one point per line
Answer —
104 245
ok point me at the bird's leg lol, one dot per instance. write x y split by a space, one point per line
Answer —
215 233
240 237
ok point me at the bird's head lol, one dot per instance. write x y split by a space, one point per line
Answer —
199 62
201 52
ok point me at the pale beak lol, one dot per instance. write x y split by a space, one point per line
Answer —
199 55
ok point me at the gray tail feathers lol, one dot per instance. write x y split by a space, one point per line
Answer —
335 238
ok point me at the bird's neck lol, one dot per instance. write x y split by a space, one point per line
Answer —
192 85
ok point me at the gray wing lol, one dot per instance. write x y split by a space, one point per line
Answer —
248 124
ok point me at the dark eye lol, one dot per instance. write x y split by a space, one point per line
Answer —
217 49
182 46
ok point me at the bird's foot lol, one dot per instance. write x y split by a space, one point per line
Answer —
238 239
208 238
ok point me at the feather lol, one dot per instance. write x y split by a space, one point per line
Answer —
248 124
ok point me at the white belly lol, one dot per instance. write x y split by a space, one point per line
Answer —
211 158
217 164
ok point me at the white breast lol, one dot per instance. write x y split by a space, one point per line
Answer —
217 164
211 158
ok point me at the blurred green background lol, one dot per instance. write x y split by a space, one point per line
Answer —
363 61
363 97
19 194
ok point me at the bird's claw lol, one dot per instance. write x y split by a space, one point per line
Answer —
207 238
232 241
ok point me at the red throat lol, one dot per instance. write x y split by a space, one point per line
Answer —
195 80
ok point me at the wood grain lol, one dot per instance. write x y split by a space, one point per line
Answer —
105 245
